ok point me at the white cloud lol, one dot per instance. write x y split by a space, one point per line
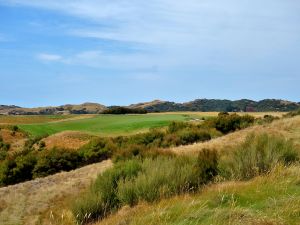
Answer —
181 33
49 57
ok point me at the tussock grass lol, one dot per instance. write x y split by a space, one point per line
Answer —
270 199
146 180
258 155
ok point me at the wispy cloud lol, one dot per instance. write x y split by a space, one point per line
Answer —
187 34
49 57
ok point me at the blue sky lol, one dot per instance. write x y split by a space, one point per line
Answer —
118 52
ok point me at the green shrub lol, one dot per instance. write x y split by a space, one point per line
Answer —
124 110
144 180
54 161
190 136
4 147
176 126
102 198
231 122
96 150
292 114
15 128
17 170
267 119
207 164
258 155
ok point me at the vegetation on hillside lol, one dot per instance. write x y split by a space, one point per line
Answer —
152 179
124 110
230 172
270 199
217 105
38 161
4 147
35 162
144 180
292 114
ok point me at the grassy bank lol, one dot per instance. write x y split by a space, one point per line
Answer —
149 180
269 199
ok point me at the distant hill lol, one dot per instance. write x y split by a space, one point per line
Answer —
216 105
85 108
198 105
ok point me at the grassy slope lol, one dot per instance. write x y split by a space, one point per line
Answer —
289 128
41 200
105 124
37 199
273 199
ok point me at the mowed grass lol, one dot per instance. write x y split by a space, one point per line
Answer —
105 125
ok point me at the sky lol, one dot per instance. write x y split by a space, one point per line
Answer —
118 52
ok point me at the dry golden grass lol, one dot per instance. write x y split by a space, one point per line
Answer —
289 128
212 114
29 119
15 139
67 139
38 201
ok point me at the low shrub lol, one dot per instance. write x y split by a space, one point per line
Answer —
190 136
257 155
267 119
4 148
54 161
17 169
102 196
144 180
96 150
124 110
292 114
207 164
231 122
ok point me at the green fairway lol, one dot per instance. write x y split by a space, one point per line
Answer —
106 125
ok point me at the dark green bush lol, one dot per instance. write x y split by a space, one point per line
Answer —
266 119
207 164
17 170
124 110
54 161
96 150
15 128
231 122
190 136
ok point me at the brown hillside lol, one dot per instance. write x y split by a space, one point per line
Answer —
37 201
289 128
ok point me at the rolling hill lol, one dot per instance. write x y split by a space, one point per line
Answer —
198 105
85 108
216 105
